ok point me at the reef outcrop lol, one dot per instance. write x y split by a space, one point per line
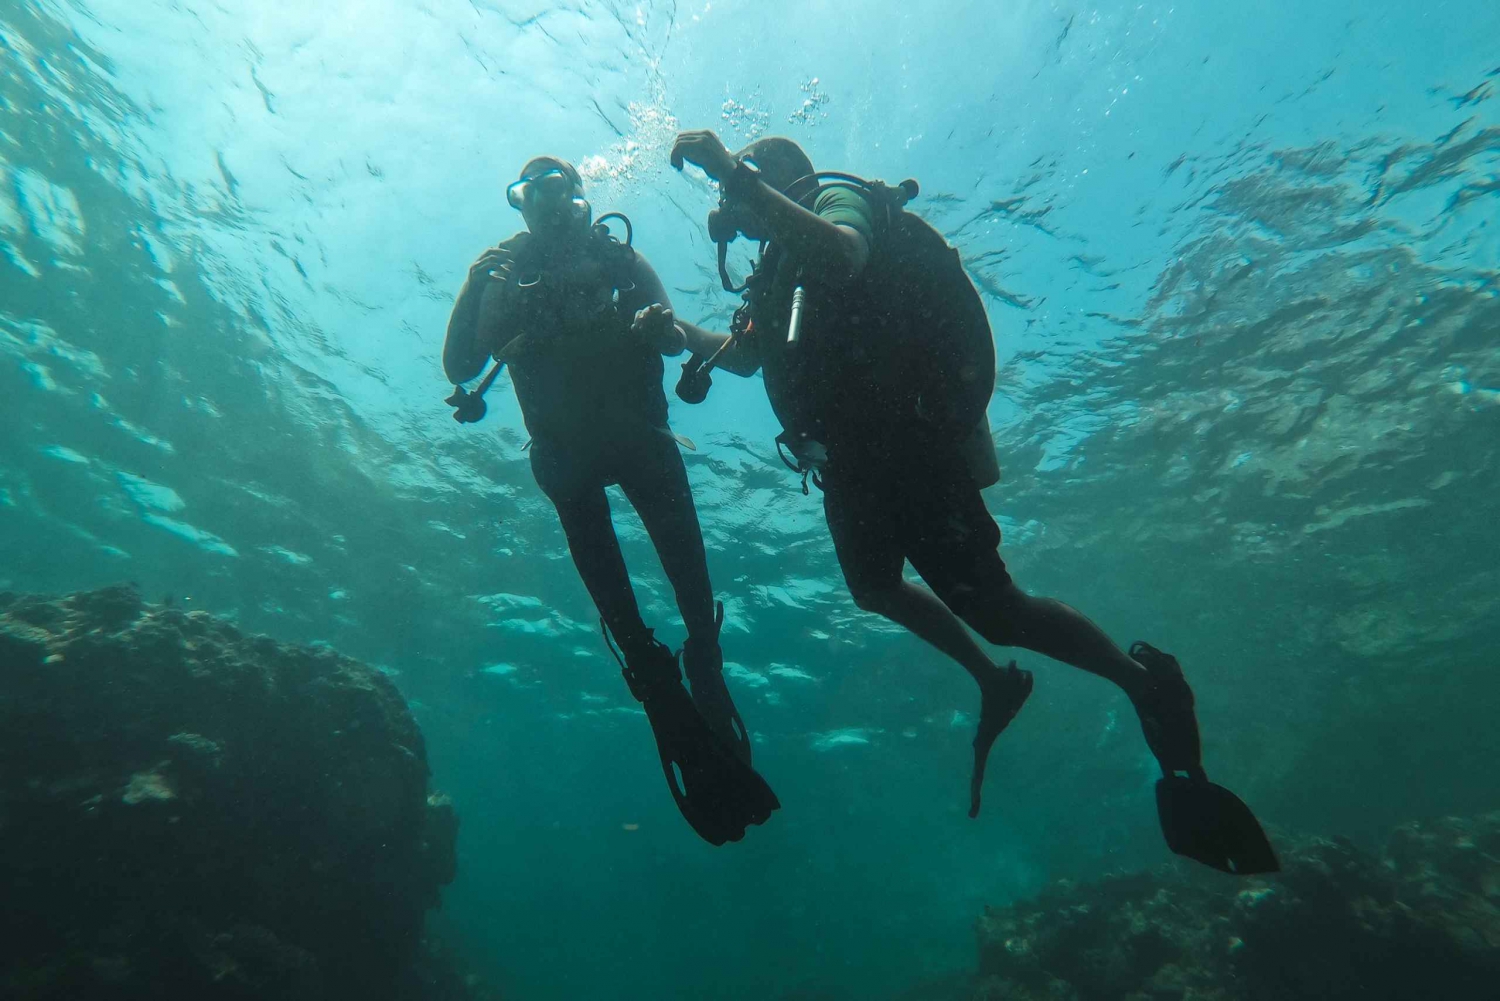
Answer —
190 812
1420 919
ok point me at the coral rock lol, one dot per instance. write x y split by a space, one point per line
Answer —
190 812
1338 924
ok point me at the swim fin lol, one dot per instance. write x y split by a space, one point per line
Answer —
1207 823
703 663
718 794
1200 820
999 702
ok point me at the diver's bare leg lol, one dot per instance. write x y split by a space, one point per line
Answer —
1049 627
922 612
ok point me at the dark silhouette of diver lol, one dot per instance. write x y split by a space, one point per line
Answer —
558 303
879 361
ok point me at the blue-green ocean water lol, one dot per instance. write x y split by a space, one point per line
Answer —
1243 266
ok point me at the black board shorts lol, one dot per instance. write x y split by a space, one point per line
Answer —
923 506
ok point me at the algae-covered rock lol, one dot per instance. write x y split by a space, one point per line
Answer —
187 811
1448 874
1338 924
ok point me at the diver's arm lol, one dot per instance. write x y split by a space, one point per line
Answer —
655 319
741 359
826 247
649 293
463 351
462 359
837 252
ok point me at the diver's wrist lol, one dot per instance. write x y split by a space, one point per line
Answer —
742 182
669 339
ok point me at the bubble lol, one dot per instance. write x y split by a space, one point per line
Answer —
639 156
814 106
749 119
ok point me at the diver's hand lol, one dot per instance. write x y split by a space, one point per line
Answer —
703 148
496 259
658 326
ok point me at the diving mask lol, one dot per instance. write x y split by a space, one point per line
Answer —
550 185
550 195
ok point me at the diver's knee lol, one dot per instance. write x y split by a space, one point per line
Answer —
999 617
876 600
995 628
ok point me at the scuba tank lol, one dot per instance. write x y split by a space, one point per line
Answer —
920 343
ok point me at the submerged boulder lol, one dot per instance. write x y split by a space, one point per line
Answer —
187 811
1339 924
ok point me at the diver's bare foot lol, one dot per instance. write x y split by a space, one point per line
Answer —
1001 696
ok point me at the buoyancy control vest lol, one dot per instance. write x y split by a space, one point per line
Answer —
901 355
565 332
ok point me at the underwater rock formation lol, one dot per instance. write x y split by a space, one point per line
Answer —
186 811
1421 920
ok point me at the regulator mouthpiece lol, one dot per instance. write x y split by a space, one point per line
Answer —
721 225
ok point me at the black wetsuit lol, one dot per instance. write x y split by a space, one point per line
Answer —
591 396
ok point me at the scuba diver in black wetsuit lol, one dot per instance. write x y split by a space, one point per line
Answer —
879 362
558 303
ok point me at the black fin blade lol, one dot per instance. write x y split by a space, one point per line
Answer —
1207 823
718 794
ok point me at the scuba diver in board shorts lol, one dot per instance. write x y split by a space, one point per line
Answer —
879 362
558 303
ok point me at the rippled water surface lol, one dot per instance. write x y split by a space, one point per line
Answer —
1243 267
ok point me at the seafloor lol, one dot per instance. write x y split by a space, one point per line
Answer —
187 811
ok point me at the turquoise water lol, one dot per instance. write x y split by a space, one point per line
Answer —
1244 274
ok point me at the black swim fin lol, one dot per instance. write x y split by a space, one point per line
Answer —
999 701
1207 823
703 663
718 794
1200 820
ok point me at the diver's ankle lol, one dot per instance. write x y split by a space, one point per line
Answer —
991 674
1135 682
642 644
